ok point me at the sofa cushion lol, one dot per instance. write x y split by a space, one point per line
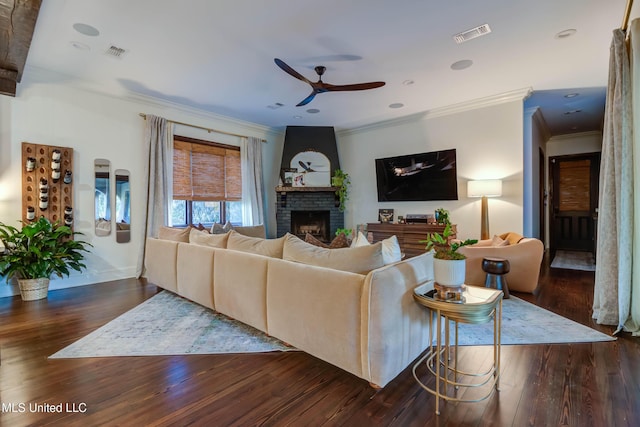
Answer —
356 260
390 247
174 234
251 230
255 245
203 238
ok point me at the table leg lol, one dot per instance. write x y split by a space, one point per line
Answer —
455 368
437 361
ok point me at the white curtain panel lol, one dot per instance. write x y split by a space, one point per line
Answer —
157 180
633 322
252 182
612 292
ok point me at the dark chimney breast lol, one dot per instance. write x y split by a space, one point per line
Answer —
301 139
310 156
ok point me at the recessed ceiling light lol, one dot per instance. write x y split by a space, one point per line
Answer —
571 95
313 111
297 117
79 46
566 33
408 82
396 105
86 29
462 64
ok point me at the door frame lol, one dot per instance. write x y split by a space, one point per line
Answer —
594 186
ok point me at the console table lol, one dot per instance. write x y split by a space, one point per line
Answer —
409 235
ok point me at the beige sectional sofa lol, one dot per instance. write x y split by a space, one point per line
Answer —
365 322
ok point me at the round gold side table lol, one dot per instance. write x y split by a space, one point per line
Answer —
477 305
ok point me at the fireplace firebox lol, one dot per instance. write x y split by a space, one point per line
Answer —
315 223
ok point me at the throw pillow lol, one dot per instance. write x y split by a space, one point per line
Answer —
252 230
512 238
390 247
174 234
256 245
316 242
498 241
204 238
356 260
340 241
221 229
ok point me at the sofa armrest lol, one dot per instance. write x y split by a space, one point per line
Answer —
394 326
160 260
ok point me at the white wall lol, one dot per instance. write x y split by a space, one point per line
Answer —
577 143
95 125
536 137
489 143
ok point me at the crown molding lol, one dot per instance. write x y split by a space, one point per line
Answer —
474 104
592 133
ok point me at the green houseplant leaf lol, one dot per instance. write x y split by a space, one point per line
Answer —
40 249
341 180
443 248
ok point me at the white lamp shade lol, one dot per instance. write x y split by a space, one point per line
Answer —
484 187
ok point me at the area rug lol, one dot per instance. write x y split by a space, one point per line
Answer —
526 323
167 324
574 260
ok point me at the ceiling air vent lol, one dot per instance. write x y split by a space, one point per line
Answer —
473 33
115 51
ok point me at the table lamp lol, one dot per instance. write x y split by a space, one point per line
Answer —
484 188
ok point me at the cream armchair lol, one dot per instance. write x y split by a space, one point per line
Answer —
524 256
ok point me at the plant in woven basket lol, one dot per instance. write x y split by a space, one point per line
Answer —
39 250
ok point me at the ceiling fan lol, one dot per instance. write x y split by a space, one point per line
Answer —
320 86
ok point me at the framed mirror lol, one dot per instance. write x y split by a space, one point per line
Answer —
123 206
102 203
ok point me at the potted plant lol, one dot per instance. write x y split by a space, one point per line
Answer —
442 216
37 251
448 263
341 180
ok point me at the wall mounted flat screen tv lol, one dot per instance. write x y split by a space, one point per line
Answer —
418 177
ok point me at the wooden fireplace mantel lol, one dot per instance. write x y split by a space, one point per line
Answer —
287 189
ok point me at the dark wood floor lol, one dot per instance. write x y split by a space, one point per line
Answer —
595 384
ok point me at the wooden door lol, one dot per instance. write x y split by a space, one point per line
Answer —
574 199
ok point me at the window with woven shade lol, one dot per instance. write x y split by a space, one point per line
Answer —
207 182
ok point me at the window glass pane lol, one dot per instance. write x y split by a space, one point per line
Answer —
234 212
205 212
179 212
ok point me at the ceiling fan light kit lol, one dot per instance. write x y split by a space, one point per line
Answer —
320 86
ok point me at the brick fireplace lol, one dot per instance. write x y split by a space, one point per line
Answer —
308 203
311 210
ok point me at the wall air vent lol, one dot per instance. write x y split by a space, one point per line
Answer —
115 51
473 33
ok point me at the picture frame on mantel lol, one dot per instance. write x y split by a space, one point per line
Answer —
385 216
287 176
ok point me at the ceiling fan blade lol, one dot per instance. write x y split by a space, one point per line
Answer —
307 100
280 63
356 86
